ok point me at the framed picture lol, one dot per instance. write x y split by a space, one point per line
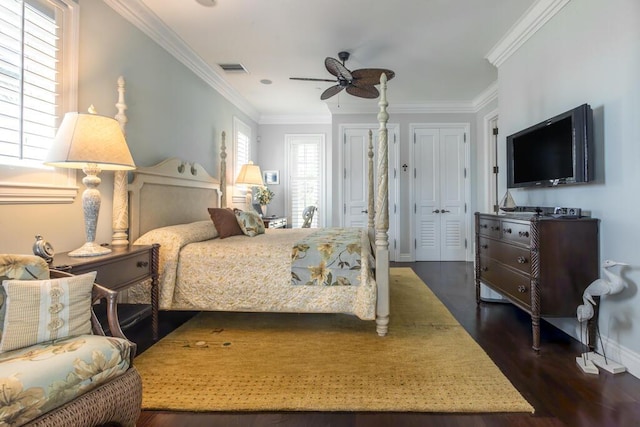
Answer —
271 177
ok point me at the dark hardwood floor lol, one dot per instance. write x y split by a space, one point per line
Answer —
560 393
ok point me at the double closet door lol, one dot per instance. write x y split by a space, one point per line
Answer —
440 192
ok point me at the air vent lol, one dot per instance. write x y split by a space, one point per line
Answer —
233 68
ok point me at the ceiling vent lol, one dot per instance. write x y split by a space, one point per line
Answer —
233 68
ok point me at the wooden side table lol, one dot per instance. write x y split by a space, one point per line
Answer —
122 268
275 222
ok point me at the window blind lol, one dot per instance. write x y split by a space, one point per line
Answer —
304 168
30 52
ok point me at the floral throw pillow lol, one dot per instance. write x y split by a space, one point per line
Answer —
250 223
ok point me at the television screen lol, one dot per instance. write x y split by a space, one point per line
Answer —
552 152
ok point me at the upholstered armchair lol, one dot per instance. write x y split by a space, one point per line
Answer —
57 367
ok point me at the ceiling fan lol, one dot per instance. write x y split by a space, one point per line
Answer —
359 83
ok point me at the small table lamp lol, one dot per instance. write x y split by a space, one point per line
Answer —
92 143
251 176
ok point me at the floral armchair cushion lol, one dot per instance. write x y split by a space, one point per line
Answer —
44 376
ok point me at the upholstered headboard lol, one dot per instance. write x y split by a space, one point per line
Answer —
171 192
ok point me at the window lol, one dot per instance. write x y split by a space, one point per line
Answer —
38 84
241 155
305 163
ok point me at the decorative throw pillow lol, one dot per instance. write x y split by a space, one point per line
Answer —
225 222
21 267
44 310
250 223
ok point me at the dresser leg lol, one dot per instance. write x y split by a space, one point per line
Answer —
535 326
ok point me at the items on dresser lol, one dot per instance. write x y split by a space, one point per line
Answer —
541 264
122 268
275 222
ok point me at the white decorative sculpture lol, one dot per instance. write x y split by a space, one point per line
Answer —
611 284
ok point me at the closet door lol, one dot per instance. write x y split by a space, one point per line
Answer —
439 194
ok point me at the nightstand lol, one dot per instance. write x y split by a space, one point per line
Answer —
122 268
275 222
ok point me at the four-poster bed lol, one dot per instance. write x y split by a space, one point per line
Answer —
169 205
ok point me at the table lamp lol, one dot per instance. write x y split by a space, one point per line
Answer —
92 143
250 175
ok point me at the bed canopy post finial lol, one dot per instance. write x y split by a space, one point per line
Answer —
223 171
371 202
120 217
382 215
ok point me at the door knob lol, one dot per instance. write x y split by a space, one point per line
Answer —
365 211
436 211
445 211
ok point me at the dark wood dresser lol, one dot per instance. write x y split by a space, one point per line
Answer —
541 264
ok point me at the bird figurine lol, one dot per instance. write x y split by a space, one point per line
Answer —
611 284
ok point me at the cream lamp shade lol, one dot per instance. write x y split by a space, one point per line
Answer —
89 138
92 143
250 174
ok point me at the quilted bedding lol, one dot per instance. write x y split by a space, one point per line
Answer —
241 273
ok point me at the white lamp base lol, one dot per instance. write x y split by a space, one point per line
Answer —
90 249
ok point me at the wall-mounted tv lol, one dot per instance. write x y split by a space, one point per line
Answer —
553 152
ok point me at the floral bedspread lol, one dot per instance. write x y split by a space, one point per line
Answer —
328 257
242 273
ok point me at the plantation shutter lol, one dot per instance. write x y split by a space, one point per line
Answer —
30 56
305 176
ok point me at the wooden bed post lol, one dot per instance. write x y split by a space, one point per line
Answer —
382 215
120 220
223 171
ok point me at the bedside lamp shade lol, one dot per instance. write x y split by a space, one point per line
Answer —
90 138
92 143
250 175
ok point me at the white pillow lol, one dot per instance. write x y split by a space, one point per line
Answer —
45 310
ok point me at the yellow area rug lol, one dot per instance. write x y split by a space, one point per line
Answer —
327 362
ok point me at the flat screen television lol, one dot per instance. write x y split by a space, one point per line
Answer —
553 152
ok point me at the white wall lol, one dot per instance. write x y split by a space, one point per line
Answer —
171 112
589 52
271 152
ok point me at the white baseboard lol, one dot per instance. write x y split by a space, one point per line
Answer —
622 355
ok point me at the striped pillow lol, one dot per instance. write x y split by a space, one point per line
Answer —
44 310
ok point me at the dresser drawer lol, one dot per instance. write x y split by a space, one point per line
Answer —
516 232
514 256
513 284
489 227
115 273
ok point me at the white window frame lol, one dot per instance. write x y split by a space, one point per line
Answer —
240 191
290 140
23 183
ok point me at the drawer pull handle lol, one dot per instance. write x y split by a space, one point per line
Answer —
496 228
523 233
506 230
484 268
485 246
143 264
522 289
483 226
522 260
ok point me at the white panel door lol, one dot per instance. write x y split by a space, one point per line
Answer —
439 194
355 177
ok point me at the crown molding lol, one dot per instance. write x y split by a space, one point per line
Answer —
136 12
296 119
485 97
529 23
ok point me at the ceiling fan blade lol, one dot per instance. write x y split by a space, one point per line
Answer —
367 91
312 80
337 69
331 91
370 76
